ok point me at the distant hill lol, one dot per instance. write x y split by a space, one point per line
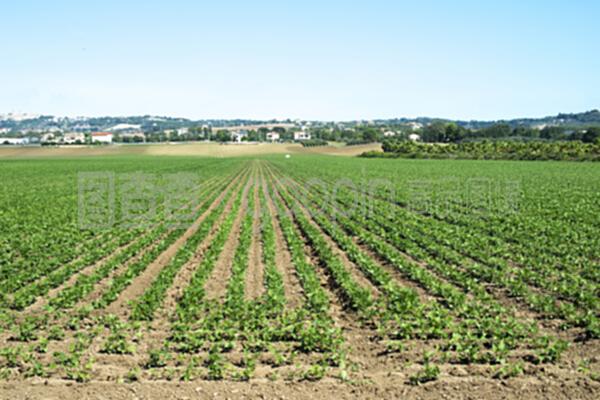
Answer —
575 120
24 123
587 118
147 123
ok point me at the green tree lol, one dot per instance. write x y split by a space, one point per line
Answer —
591 135
552 132
434 132
454 133
497 131
223 135
370 135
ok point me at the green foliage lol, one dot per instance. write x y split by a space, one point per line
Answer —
118 343
313 143
441 275
496 150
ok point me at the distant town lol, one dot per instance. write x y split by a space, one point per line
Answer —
40 130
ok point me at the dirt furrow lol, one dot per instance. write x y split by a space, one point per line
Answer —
357 337
515 306
141 282
187 271
254 286
424 296
41 302
293 289
354 271
216 285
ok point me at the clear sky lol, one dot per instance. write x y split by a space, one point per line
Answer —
333 60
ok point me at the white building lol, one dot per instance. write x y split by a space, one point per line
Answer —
49 138
182 131
389 133
102 137
14 141
238 136
302 135
414 137
273 136
74 138
415 125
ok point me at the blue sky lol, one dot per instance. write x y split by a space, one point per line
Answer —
333 60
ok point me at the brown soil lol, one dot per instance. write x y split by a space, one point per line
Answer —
390 269
254 286
357 275
292 288
587 351
79 248
520 308
371 373
187 271
216 285
391 388
41 302
158 329
183 149
145 279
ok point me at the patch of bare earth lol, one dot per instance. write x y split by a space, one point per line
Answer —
354 271
460 388
283 260
141 282
254 286
159 328
184 149
363 351
216 285
400 279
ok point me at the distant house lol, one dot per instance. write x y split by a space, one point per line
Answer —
74 138
415 125
14 141
389 133
102 137
414 137
48 138
302 135
238 136
273 136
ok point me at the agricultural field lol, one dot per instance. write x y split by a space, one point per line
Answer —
293 276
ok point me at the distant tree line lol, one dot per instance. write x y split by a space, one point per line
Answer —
442 132
450 132
492 150
314 143
365 134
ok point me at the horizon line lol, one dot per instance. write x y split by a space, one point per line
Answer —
38 115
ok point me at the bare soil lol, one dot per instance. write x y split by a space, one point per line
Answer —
372 372
455 388
142 281
283 259
254 286
216 285
183 149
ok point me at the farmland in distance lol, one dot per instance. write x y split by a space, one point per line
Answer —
363 276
